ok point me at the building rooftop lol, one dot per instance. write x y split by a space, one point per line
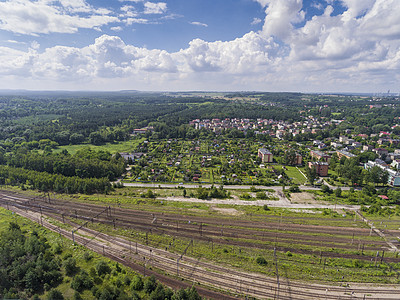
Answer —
264 151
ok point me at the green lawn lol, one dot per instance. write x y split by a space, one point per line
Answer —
127 146
297 177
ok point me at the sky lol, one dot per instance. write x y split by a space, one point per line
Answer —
201 45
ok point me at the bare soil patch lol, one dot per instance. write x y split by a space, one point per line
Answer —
304 197
227 211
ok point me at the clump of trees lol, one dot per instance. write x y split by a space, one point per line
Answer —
86 163
53 182
27 264
212 192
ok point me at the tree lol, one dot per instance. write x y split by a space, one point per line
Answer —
290 157
149 284
55 294
95 138
311 174
338 192
325 189
70 266
137 283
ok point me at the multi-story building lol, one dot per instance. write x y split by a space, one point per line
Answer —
320 156
321 168
341 153
394 176
266 156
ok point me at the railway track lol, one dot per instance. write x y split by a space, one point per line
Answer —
264 236
237 282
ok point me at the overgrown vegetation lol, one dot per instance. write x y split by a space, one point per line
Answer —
32 267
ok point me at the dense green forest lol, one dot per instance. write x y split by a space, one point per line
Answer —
30 268
31 121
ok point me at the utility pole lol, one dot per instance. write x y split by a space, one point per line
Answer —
277 273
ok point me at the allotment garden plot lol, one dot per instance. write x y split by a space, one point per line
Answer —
222 161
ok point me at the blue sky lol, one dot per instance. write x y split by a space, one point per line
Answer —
223 45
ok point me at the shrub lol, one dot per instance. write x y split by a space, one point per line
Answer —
57 249
77 296
127 280
87 256
70 266
261 261
265 207
135 296
262 195
102 268
82 282
325 189
245 196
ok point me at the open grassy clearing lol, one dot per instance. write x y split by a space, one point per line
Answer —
295 175
126 146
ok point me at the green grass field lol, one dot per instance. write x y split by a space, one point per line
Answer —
297 177
127 146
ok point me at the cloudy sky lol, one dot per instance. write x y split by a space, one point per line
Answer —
220 45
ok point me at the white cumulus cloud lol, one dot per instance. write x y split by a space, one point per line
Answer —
357 50
36 17
155 8
281 15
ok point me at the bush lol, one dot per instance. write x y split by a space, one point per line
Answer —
57 249
262 195
127 280
82 282
289 254
261 261
149 194
294 189
77 296
325 189
87 256
265 207
135 296
358 263
70 266
102 268
245 196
